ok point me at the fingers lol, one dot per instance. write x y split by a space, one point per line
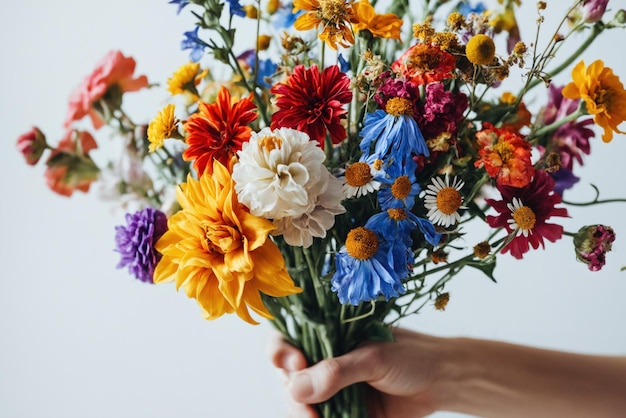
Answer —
322 380
284 355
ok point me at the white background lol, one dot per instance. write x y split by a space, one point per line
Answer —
79 338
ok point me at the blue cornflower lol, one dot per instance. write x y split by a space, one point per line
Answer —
398 223
399 187
181 4
465 9
365 269
236 8
135 242
394 129
193 42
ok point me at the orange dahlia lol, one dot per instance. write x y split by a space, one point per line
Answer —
603 93
217 130
218 252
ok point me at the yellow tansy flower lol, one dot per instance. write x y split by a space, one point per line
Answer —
603 93
185 79
480 50
162 127
383 26
219 253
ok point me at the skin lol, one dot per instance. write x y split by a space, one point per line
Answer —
419 374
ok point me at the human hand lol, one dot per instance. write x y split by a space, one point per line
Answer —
401 374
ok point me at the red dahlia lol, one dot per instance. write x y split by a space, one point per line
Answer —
313 102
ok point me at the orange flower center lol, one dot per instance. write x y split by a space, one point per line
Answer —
222 238
401 187
397 106
504 149
524 217
332 10
362 243
448 200
426 60
358 174
270 143
397 214
603 97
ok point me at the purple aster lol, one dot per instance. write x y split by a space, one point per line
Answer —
135 242
563 179
441 112
571 140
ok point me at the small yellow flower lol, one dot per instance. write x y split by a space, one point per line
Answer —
273 6
603 93
480 50
185 79
251 11
162 127
263 42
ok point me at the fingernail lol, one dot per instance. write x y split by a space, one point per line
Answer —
301 385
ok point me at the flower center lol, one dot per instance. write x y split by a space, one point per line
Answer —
397 214
401 187
358 174
524 217
270 143
397 106
362 243
331 10
222 238
424 59
449 200
504 149
603 97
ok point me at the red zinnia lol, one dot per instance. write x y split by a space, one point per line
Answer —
524 211
505 155
312 102
217 131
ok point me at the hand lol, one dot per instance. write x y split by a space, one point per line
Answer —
401 374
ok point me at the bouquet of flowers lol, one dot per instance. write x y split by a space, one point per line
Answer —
320 160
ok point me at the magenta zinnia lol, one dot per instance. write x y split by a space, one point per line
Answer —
218 252
524 212
313 102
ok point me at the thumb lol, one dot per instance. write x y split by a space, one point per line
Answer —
322 380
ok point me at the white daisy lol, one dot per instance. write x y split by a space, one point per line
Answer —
360 177
443 201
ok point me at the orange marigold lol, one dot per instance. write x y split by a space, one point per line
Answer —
424 64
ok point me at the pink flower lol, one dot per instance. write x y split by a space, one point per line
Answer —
593 10
112 77
442 111
69 165
31 145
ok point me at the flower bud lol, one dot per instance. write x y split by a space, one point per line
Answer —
31 145
442 301
273 6
591 244
620 17
593 10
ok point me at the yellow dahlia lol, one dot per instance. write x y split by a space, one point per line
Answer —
219 253
603 93
162 127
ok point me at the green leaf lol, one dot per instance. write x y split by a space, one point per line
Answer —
377 331
486 267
